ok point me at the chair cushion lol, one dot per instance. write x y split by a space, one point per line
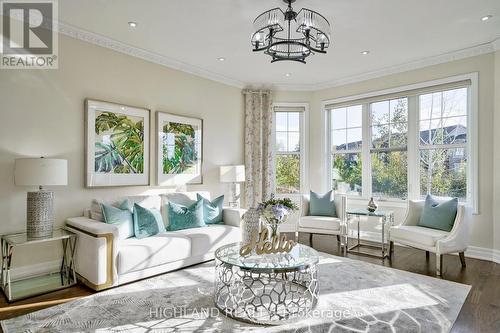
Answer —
320 222
438 215
416 234
322 205
136 254
209 238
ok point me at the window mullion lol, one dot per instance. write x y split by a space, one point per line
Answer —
413 149
365 153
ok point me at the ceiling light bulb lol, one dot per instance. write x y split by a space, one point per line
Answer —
486 18
288 74
132 24
221 59
365 52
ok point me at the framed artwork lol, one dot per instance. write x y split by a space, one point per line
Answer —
179 149
117 144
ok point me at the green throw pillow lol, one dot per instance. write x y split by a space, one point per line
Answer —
147 222
182 217
212 210
440 216
322 205
121 217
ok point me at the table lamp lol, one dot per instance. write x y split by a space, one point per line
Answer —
40 206
233 174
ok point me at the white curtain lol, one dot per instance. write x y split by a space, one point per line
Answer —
259 153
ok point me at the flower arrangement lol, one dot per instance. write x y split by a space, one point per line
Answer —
275 211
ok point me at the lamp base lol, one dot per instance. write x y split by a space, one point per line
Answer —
40 214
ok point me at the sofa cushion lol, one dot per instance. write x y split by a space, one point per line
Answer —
147 222
415 234
212 210
146 201
185 217
136 254
181 198
121 217
320 222
208 239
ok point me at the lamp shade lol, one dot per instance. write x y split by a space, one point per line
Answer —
40 172
232 173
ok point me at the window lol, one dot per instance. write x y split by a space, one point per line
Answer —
405 143
289 149
389 139
443 143
346 134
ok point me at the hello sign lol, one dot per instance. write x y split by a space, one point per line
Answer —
262 245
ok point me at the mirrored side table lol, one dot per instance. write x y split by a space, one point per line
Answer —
35 285
386 218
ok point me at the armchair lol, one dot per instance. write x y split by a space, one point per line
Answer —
322 225
431 240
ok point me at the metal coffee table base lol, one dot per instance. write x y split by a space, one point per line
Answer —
266 298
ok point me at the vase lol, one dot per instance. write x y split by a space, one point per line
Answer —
372 206
251 225
272 225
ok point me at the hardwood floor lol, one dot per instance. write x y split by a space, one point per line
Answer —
480 313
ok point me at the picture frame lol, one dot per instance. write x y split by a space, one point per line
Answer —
179 156
117 144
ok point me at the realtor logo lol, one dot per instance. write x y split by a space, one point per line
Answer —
29 37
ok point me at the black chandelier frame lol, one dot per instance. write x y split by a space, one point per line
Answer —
314 27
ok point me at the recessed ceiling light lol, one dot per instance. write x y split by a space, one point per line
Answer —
365 52
486 18
132 24
288 74
221 59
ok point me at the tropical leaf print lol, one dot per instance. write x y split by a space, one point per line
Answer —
180 151
123 149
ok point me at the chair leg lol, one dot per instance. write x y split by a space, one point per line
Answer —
338 239
462 258
311 239
296 237
391 249
439 264
427 255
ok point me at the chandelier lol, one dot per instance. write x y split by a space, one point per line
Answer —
290 35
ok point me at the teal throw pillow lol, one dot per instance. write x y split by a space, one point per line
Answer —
121 217
212 210
440 216
182 217
147 222
322 205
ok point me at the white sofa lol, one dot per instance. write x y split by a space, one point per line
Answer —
103 261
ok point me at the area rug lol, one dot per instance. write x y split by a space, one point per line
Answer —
354 297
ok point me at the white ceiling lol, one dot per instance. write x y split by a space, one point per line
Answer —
193 34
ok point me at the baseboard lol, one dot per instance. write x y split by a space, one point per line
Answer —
475 252
23 272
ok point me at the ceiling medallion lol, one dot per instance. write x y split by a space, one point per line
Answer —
290 35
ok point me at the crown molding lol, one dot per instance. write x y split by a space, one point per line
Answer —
133 51
430 61
109 43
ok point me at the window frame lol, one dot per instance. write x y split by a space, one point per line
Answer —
303 109
413 145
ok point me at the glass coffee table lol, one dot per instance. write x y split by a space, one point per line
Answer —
267 289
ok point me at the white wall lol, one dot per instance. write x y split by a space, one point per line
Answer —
43 114
496 166
482 224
